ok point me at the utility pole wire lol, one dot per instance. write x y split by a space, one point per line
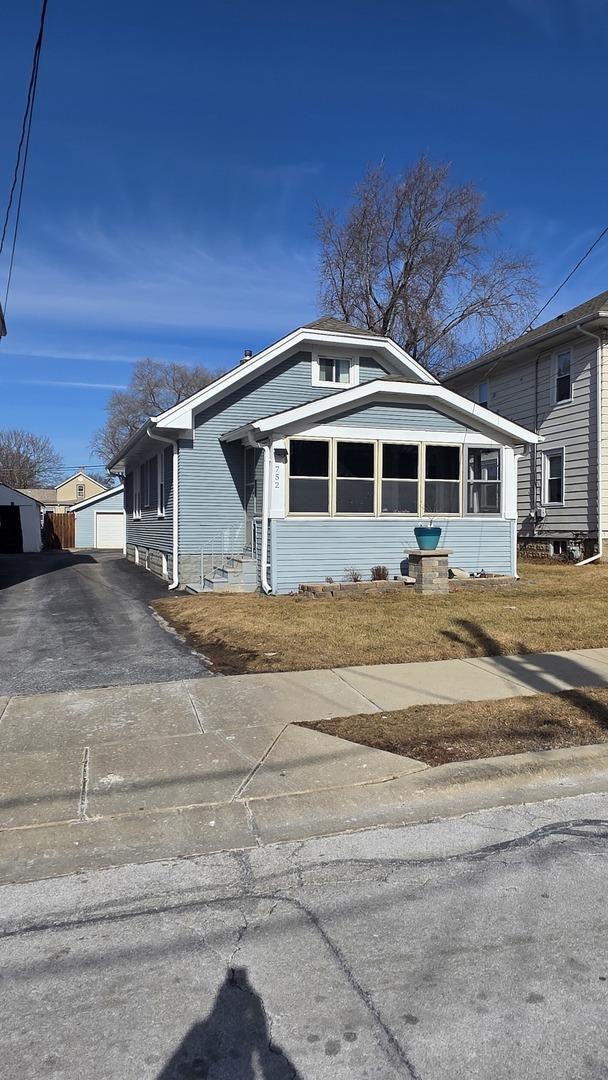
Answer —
567 278
23 148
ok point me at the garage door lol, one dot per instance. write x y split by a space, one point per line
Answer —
109 530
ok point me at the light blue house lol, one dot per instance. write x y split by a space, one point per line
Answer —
320 453
100 521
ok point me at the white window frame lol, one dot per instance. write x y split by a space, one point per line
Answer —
136 493
353 379
160 484
80 491
553 451
559 554
554 371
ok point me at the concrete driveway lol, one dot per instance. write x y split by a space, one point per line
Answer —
71 621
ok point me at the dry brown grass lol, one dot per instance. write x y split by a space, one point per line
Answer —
437 734
554 606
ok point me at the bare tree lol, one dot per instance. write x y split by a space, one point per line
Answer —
413 259
104 479
153 388
28 460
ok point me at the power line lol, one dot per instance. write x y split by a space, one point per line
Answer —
23 148
567 278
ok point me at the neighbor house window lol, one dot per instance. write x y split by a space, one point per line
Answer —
553 469
483 393
442 480
80 491
399 494
136 479
334 371
160 484
563 376
309 476
483 481
355 477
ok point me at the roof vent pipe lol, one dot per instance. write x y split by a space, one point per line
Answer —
246 356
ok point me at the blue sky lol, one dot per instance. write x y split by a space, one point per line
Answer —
178 152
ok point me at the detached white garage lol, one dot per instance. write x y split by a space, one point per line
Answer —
100 521
20 522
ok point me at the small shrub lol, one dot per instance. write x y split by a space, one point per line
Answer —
351 574
379 573
329 580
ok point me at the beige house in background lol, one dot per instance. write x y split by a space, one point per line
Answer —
67 494
554 381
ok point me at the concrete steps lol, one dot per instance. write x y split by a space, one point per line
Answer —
237 574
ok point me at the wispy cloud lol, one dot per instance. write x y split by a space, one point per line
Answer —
66 383
150 279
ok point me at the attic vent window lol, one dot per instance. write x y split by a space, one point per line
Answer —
340 371
80 491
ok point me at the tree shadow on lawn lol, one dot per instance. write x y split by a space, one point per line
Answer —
545 674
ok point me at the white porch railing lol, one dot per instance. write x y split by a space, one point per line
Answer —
225 545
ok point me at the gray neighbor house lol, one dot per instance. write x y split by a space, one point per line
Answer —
318 454
554 380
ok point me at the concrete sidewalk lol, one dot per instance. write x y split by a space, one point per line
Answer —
125 774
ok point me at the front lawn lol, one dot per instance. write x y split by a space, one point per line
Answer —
554 606
437 734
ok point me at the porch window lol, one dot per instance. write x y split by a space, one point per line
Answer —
563 377
442 480
399 479
309 476
355 477
483 482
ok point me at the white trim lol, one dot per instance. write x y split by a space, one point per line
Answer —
99 498
379 389
73 477
181 415
160 479
553 451
401 435
136 510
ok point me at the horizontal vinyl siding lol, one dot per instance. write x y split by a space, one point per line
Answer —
84 524
152 531
419 417
211 472
571 425
310 551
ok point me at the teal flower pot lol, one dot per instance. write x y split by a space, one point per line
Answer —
427 537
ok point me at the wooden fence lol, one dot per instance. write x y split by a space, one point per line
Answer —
58 530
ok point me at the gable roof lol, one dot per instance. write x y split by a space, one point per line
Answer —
106 494
376 390
180 416
41 495
80 472
596 307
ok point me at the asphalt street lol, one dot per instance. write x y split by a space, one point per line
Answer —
473 947
70 621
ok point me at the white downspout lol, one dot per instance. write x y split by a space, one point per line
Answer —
175 569
598 436
267 451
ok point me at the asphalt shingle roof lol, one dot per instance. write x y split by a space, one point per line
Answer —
339 326
590 307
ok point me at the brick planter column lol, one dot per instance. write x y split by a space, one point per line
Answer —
430 571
